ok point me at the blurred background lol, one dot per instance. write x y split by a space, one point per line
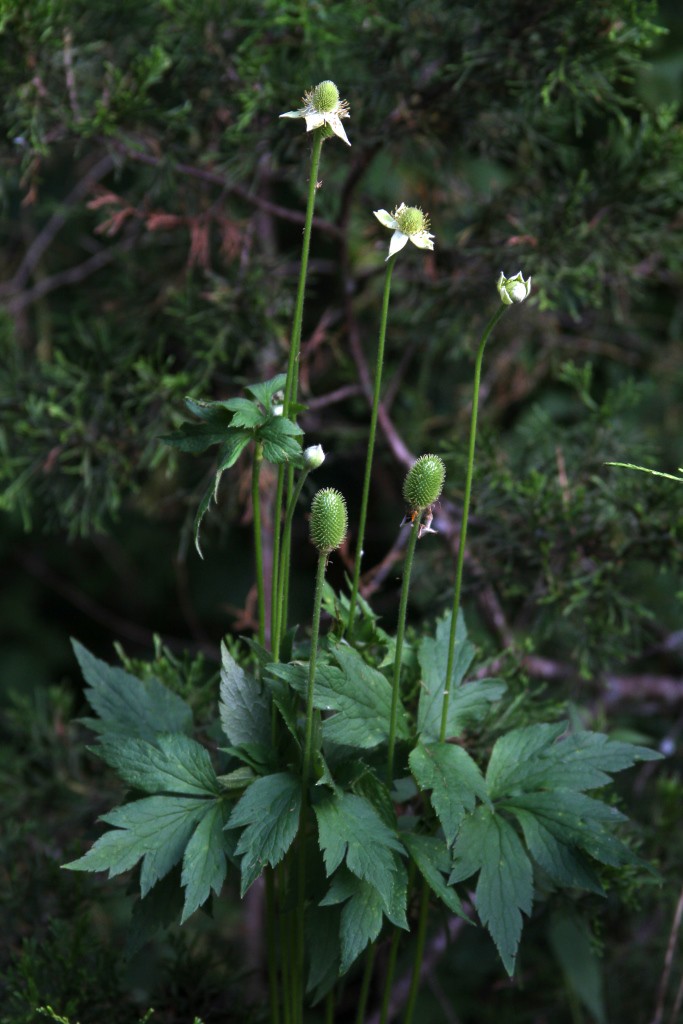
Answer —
152 209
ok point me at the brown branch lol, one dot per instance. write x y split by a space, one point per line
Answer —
46 236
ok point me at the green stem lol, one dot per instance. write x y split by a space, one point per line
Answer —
419 953
291 389
258 543
391 971
273 987
329 1007
365 984
371 440
285 549
306 771
465 517
400 633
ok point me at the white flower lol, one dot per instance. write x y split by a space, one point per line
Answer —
322 106
408 223
314 456
513 289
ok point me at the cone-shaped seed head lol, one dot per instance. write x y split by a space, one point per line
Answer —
424 481
328 519
410 220
325 97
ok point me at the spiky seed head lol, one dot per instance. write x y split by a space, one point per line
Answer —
411 219
325 97
329 520
424 481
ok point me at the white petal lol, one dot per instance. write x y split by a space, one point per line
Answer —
293 113
386 219
422 239
314 121
337 127
398 240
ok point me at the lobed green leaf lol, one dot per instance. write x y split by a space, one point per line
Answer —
454 779
127 705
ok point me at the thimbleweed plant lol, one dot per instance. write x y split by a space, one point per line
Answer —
326 739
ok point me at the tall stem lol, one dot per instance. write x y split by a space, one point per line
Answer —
258 541
400 633
465 517
284 556
371 440
419 953
291 389
306 770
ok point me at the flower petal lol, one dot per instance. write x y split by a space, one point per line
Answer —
398 240
386 219
337 127
422 239
314 120
293 113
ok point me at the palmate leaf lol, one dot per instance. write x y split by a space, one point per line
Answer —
359 694
454 779
169 764
489 844
244 705
126 705
351 830
270 810
160 831
468 703
538 779
233 444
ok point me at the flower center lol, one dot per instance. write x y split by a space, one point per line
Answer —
410 220
325 97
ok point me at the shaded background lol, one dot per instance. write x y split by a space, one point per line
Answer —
152 211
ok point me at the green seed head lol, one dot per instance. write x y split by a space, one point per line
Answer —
325 97
410 220
424 481
328 519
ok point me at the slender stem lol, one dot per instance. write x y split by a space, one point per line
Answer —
275 580
371 440
365 984
465 516
400 633
273 986
391 970
291 390
419 953
285 551
258 541
329 1007
291 386
306 773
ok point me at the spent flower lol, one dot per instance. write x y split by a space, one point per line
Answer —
409 224
513 289
323 108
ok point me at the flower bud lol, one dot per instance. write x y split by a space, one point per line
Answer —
329 520
314 456
513 289
424 482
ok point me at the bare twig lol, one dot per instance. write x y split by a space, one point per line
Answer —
44 238
668 961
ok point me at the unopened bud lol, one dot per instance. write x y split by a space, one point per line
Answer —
424 482
329 520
